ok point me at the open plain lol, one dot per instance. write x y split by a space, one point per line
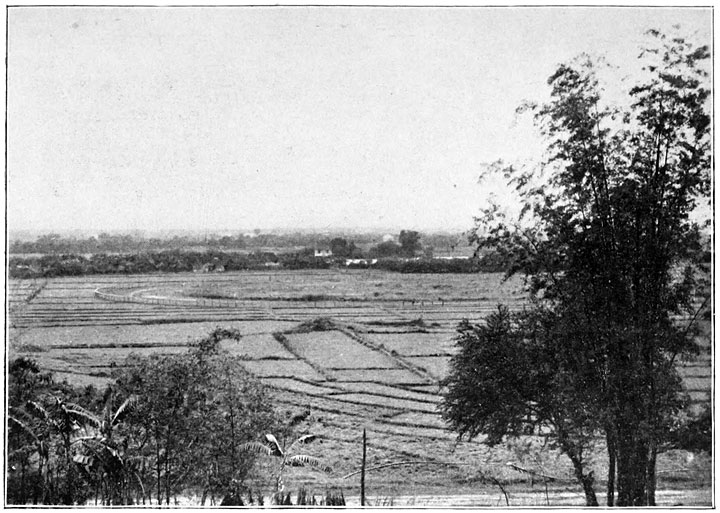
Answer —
385 344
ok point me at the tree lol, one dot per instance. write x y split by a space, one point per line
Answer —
409 243
385 249
509 379
608 245
193 413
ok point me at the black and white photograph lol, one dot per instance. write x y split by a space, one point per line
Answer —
359 256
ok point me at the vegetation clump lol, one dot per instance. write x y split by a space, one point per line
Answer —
601 240
167 425
317 324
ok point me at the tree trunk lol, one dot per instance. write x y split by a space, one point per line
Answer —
586 480
157 471
575 454
612 455
23 496
632 467
651 476
68 498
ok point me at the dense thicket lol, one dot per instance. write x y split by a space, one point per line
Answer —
612 258
167 425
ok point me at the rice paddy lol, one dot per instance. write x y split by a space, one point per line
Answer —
378 368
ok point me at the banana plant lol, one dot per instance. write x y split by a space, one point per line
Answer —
64 420
287 458
100 452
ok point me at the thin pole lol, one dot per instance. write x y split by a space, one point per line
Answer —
362 470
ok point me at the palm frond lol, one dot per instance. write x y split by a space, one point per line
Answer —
256 447
276 449
123 409
80 415
303 460
35 408
85 439
23 427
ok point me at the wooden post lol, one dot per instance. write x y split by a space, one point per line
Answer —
362 470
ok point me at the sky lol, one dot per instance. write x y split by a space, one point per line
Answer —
236 118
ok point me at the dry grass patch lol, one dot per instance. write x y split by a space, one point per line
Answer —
259 346
282 369
415 344
437 366
385 391
390 376
386 402
298 386
333 349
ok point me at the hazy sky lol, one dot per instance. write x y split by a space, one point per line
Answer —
239 118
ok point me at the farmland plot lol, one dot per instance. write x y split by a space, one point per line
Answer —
416 344
437 366
386 376
335 351
260 346
364 374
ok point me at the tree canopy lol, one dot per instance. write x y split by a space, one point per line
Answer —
608 244
168 424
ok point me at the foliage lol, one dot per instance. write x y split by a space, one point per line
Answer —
341 248
385 249
168 424
508 379
606 241
193 413
694 433
45 419
286 455
316 324
409 243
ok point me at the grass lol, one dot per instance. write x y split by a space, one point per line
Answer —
392 376
415 344
333 349
438 366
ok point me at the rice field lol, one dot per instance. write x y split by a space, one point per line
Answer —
379 368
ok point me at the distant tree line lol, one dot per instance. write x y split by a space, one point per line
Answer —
49 266
125 243
407 256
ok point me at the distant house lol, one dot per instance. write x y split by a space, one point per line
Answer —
323 253
360 261
211 267
452 258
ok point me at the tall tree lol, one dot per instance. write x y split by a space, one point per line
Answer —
409 243
608 243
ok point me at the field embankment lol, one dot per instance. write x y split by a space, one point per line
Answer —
374 362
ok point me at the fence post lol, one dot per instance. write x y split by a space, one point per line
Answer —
362 471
